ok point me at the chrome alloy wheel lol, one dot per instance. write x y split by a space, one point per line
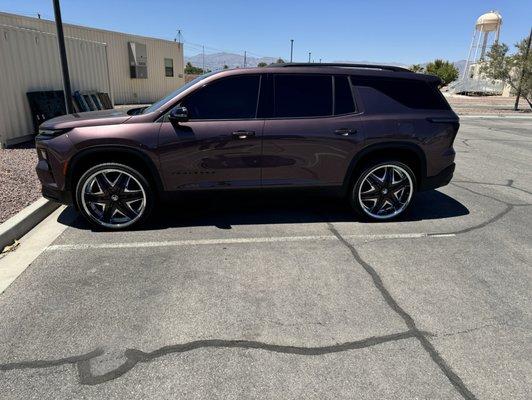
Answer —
113 198
385 191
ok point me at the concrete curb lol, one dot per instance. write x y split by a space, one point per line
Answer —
24 221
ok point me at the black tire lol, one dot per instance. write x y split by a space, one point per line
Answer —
394 202
124 203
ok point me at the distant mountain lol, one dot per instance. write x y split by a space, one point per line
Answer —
216 61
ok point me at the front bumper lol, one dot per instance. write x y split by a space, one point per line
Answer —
439 180
59 196
50 171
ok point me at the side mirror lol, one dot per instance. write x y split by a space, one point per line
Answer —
178 114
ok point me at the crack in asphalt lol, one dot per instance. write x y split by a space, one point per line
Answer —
455 380
36 364
509 183
135 356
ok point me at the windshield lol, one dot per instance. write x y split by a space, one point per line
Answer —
173 94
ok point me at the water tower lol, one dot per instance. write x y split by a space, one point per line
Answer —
487 30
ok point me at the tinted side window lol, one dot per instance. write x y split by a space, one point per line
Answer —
394 95
343 98
302 95
228 98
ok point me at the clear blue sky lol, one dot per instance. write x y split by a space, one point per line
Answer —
408 31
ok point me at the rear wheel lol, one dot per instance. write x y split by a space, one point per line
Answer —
383 190
113 196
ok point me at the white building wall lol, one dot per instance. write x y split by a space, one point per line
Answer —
30 71
29 61
125 90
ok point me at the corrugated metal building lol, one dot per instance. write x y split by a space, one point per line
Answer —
99 60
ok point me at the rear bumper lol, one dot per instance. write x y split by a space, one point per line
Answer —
436 181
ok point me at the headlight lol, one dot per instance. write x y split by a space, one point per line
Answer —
50 133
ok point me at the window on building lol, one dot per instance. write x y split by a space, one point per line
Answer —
343 98
169 67
302 96
381 95
228 98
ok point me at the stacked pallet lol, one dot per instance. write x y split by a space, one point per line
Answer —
45 105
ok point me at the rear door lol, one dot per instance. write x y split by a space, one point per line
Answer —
313 133
220 146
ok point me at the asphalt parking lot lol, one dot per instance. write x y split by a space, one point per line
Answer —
262 296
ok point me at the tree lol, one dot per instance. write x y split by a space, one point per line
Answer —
416 68
499 65
226 66
280 61
192 70
262 64
444 70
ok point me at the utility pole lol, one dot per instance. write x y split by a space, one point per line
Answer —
245 56
291 49
64 63
203 58
178 37
523 71
309 54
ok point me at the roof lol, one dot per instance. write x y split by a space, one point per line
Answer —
344 65
373 70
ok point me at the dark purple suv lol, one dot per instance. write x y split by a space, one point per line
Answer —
376 133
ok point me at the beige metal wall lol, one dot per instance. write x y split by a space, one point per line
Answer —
124 89
29 61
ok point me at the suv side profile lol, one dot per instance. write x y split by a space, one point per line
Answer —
375 133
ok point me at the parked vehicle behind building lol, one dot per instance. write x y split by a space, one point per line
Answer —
376 134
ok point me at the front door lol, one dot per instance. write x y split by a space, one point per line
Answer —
220 145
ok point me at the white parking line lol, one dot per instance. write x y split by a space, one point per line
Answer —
201 242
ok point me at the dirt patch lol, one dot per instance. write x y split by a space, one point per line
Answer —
18 180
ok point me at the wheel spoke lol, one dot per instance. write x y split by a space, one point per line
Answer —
96 198
378 205
403 182
370 195
374 181
125 209
388 176
108 212
121 182
395 202
103 182
132 195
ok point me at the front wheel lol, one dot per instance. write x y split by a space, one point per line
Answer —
383 190
113 196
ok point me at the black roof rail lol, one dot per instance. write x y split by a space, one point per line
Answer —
344 65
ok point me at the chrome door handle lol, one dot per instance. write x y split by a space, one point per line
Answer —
345 131
243 134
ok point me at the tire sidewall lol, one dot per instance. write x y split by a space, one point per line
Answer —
353 193
122 167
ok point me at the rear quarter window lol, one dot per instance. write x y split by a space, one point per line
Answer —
382 95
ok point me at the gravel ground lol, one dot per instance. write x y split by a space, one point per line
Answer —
18 180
